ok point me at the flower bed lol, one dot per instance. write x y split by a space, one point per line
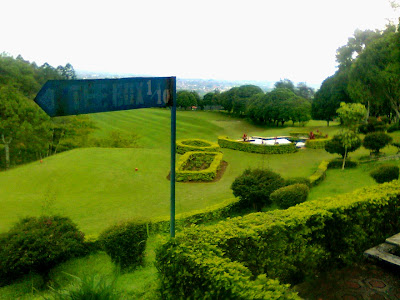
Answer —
198 166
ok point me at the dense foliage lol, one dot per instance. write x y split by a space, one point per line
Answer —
375 141
335 145
244 257
125 243
255 186
385 173
368 73
37 245
26 132
290 195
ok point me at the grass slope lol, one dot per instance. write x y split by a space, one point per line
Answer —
97 187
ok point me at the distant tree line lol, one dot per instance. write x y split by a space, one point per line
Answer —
286 102
368 73
26 132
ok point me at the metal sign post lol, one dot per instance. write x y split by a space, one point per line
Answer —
73 97
173 157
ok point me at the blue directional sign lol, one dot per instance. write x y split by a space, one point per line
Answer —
72 97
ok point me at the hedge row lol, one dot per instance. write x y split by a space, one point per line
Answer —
211 213
316 144
244 257
320 174
203 175
225 142
183 146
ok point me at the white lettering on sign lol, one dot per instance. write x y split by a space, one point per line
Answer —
166 96
139 95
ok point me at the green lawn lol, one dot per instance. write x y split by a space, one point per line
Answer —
97 187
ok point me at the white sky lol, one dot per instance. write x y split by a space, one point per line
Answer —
234 40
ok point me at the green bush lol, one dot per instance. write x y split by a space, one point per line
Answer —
316 144
375 141
290 195
373 125
37 245
385 173
197 159
224 142
254 187
125 243
394 127
296 180
188 145
247 257
337 164
335 145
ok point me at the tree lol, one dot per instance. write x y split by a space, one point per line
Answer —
67 72
304 91
336 145
327 99
375 75
254 187
185 99
24 128
351 114
285 84
375 141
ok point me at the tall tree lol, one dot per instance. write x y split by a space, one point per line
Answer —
24 128
375 75
285 84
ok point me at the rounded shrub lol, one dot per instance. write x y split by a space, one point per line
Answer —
37 245
385 173
301 180
290 195
125 243
335 145
255 186
375 141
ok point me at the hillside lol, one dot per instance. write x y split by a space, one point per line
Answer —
98 186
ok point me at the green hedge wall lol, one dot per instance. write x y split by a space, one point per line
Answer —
204 175
225 142
244 257
183 146
214 212
316 144
320 174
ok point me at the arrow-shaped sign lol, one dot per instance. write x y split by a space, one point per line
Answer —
72 97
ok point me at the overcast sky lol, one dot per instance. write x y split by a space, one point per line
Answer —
233 40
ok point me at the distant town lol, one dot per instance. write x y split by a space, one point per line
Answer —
201 86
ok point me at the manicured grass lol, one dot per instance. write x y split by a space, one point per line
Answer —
339 181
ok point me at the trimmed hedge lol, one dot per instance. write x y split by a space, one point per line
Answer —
320 174
125 242
295 180
225 142
196 217
244 257
37 245
290 195
385 173
316 144
183 146
203 175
